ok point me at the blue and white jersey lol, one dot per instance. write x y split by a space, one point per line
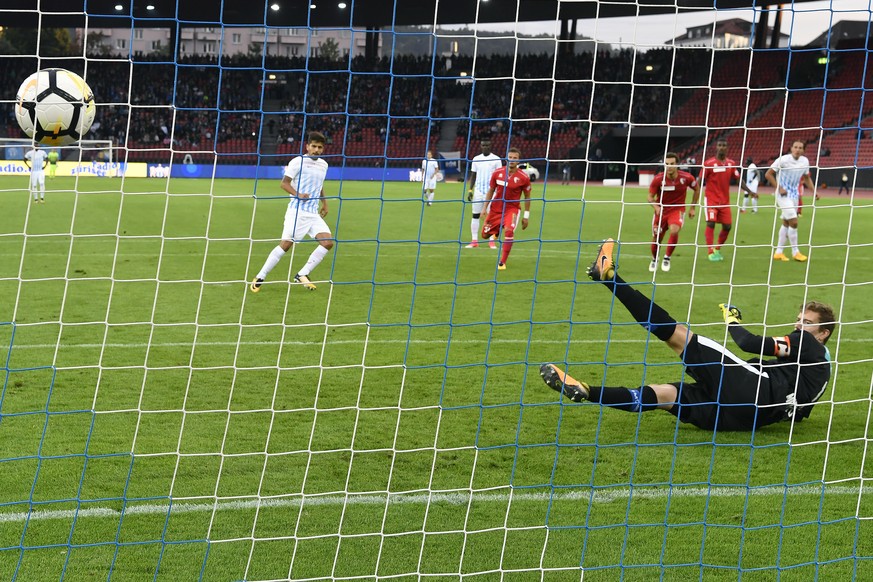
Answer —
790 172
752 177
484 166
307 176
429 168
37 160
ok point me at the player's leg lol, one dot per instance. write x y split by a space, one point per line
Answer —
722 378
491 229
647 313
478 206
272 260
657 237
672 241
325 244
725 217
791 225
674 226
42 187
430 194
782 240
494 240
34 185
745 202
709 233
723 235
709 236
793 240
292 230
716 215
754 197
650 397
509 218
321 233
789 212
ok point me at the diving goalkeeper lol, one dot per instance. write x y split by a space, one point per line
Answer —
722 390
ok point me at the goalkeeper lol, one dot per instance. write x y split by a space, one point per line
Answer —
722 390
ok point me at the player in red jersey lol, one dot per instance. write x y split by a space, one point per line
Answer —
667 194
715 177
502 203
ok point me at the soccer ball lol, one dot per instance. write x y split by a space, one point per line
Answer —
55 107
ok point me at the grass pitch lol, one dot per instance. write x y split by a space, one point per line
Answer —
160 422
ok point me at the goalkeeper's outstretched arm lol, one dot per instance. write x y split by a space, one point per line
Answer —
751 343
748 342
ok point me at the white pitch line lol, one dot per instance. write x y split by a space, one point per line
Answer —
112 345
458 498
17 346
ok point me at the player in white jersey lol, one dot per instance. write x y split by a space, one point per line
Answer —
429 169
481 169
36 159
786 175
752 180
304 181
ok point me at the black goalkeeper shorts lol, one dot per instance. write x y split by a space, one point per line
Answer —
725 391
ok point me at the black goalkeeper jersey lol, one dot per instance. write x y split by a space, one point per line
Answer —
800 372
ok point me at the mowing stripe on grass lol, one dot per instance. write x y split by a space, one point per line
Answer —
604 495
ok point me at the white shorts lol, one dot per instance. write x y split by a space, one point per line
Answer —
788 205
300 224
37 178
479 202
430 184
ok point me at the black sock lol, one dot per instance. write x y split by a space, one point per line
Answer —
643 309
641 400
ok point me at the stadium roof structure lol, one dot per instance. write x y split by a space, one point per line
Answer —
842 31
328 13
731 26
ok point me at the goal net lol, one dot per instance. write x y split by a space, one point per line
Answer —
161 420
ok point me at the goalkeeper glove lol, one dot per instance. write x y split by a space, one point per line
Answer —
731 313
469 195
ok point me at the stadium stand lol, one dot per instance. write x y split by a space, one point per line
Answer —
222 111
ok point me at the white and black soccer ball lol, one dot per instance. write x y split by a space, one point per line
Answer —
55 107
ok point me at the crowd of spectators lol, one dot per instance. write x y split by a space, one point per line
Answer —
252 104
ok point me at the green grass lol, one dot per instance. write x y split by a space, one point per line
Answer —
150 402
